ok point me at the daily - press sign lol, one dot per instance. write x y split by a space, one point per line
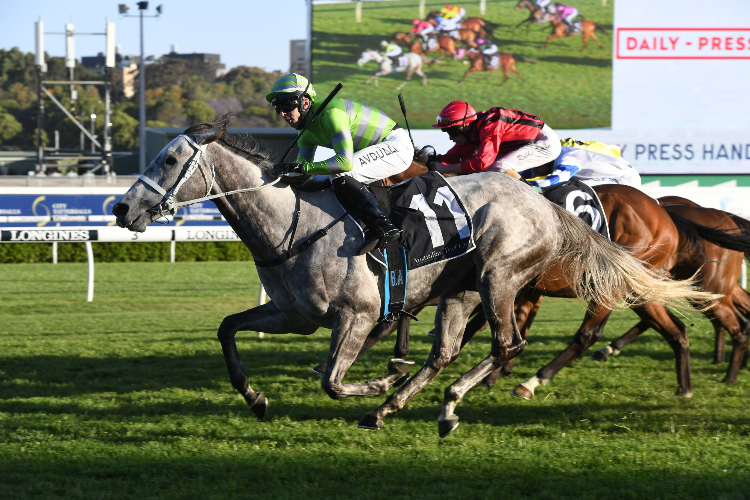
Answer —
683 43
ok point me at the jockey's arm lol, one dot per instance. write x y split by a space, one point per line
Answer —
333 123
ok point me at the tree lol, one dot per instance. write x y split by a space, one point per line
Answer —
124 130
199 112
9 126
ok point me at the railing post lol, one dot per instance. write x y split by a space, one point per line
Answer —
90 257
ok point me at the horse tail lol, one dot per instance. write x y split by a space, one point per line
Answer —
744 226
733 240
602 273
600 28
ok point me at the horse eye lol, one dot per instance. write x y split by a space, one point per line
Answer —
171 160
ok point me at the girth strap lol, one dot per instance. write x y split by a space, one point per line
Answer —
294 251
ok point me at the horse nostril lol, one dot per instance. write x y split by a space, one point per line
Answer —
120 209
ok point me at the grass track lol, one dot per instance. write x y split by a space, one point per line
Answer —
567 87
128 397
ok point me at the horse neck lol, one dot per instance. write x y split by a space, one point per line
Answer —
260 218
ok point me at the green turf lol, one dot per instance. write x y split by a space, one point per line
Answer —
128 397
567 87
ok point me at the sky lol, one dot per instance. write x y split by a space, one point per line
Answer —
243 32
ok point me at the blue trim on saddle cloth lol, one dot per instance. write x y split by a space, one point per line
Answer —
386 288
406 274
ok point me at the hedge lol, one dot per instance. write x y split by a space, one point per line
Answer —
20 253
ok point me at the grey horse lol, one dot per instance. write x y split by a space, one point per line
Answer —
518 235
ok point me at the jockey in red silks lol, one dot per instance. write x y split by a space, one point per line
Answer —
421 27
499 139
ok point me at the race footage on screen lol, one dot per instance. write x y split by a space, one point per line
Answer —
464 54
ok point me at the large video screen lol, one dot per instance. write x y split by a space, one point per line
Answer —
566 85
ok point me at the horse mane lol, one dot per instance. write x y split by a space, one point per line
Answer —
245 145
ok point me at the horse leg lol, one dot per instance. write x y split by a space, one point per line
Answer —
614 347
266 318
514 70
585 37
586 336
737 326
593 35
550 38
675 333
475 325
525 310
450 320
347 338
719 332
424 77
468 72
507 343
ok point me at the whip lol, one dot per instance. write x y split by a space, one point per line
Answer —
403 111
315 115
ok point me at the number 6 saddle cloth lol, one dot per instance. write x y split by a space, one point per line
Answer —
581 200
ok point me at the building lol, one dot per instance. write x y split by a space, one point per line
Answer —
211 60
298 57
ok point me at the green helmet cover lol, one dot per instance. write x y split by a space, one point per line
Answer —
293 85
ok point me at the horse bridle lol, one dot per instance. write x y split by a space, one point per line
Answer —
168 203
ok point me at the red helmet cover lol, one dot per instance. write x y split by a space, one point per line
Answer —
455 114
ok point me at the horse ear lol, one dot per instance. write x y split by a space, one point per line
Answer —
206 133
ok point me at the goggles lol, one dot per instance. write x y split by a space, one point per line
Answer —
287 106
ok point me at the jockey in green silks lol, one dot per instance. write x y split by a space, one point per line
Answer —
368 147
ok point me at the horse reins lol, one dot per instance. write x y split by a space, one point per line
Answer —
168 204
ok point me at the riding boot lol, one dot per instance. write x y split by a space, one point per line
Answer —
363 198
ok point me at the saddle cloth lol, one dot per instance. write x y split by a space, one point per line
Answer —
494 61
582 201
432 216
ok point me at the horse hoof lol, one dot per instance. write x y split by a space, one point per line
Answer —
522 392
320 369
684 394
431 333
400 366
447 426
371 422
599 356
401 381
259 405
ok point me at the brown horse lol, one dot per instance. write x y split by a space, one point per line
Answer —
719 268
480 26
468 36
537 15
507 63
445 44
588 28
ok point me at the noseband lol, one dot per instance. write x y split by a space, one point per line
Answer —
168 203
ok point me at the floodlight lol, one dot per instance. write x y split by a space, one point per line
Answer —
158 9
123 8
142 5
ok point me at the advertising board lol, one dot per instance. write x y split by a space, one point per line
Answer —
668 84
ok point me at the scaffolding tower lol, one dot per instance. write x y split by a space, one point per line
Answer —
91 160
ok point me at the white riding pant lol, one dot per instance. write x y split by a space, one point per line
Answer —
546 149
390 157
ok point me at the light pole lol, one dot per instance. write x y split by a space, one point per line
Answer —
142 6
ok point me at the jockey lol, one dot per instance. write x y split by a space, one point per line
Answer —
593 163
369 147
567 14
499 139
543 4
391 50
422 28
488 49
450 18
